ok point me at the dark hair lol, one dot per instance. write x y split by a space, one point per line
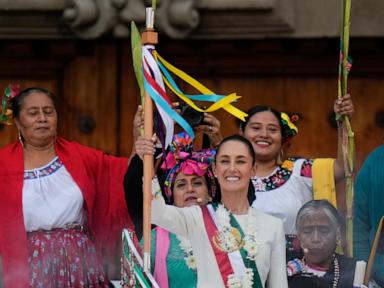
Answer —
241 139
17 101
210 182
257 109
251 190
314 206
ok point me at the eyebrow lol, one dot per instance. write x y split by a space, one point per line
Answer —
236 156
38 107
259 123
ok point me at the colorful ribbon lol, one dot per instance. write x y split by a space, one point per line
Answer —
208 95
289 128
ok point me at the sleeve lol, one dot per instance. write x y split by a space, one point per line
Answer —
361 223
277 277
1 271
133 189
175 220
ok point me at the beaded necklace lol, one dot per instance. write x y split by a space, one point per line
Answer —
297 266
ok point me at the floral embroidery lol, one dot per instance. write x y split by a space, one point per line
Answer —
281 175
51 168
288 164
306 168
64 258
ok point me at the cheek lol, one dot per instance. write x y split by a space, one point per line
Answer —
249 134
178 197
202 191
277 138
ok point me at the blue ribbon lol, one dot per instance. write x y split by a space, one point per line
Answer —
198 97
168 109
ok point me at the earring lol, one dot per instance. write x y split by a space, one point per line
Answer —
21 139
280 157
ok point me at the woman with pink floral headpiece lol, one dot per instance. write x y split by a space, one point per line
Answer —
189 181
234 244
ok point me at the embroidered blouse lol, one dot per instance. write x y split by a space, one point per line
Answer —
284 191
51 198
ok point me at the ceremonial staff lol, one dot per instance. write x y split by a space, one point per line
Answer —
148 37
153 74
348 146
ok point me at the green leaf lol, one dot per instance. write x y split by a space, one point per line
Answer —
137 58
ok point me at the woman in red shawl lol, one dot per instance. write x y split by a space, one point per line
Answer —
62 204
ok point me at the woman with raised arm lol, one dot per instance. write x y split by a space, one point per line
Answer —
283 186
62 204
234 244
189 181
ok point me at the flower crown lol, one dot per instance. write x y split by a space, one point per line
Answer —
6 114
288 126
182 158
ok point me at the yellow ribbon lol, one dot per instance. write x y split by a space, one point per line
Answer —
292 126
224 103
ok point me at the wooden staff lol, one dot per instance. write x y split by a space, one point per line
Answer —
148 37
372 255
347 133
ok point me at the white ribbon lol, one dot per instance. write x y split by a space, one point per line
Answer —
150 66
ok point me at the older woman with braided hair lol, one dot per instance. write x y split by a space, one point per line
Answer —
318 228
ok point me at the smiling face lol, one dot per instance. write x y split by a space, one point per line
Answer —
264 132
234 166
37 120
317 234
188 188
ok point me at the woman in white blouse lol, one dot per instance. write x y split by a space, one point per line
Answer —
235 245
62 204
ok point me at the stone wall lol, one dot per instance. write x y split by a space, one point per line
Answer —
197 19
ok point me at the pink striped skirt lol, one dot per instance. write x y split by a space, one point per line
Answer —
63 258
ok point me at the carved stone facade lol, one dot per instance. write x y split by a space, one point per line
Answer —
94 18
198 19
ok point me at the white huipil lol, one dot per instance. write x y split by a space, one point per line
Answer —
51 198
285 201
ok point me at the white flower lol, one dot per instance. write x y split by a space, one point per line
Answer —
241 281
223 216
186 247
234 282
248 278
191 262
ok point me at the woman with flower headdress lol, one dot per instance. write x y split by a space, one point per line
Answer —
283 186
234 244
189 181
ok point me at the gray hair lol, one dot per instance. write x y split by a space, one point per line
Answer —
314 206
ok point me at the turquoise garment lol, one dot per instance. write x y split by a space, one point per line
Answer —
179 275
369 208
